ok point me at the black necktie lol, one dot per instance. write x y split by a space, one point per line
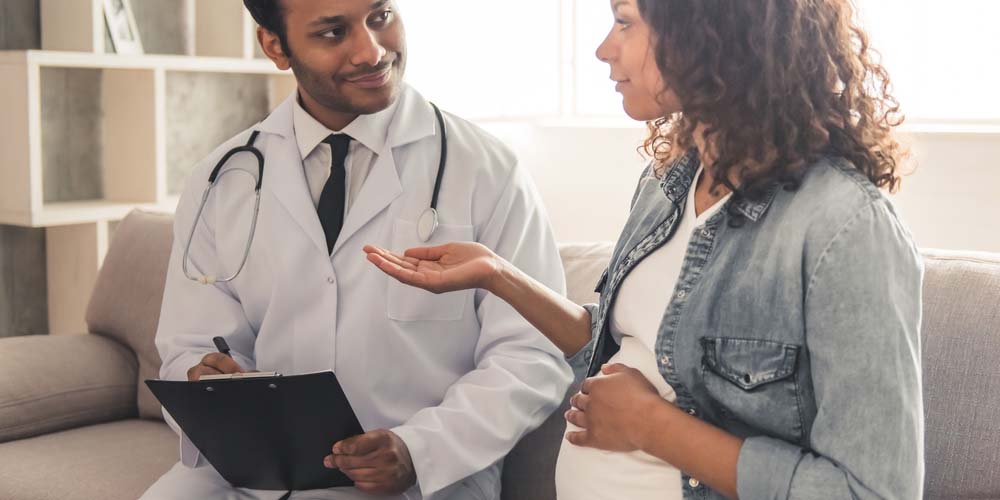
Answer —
333 201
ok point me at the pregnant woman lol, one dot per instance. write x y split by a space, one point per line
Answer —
758 329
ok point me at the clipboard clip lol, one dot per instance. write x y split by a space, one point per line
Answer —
239 376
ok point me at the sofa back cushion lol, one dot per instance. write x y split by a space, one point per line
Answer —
125 303
961 374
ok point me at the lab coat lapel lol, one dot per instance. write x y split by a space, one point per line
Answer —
414 120
380 189
284 174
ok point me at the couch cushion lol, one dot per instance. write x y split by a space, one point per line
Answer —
529 470
84 379
961 369
584 263
115 461
125 303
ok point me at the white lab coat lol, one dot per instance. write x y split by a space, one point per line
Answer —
460 377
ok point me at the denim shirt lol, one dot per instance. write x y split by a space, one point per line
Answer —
797 331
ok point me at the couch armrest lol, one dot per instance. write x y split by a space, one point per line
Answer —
51 383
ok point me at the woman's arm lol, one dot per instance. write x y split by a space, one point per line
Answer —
564 322
460 266
705 452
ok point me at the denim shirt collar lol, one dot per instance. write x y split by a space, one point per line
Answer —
680 176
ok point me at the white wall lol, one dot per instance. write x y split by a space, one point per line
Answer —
587 175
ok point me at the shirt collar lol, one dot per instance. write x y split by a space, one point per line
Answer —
369 130
680 176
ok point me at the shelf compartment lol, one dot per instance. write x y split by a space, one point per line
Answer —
104 124
98 135
217 28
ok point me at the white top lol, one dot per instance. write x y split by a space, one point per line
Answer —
588 473
369 133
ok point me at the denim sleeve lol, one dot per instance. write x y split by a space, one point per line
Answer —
862 314
580 361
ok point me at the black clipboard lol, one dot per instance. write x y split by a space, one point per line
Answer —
267 433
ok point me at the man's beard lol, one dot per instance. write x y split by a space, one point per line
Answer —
322 89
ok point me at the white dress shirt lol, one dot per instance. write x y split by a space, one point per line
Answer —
591 474
369 133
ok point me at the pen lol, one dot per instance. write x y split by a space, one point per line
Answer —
222 346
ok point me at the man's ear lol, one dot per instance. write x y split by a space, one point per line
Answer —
271 45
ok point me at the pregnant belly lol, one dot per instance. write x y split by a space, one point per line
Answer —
592 474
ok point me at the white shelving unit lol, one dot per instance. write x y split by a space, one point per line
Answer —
109 129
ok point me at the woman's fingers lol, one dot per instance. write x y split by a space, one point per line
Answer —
426 253
580 401
405 263
409 264
407 276
579 438
577 418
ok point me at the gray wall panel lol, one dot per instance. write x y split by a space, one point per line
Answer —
163 26
19 25
23 289
23 309
203 111
72 126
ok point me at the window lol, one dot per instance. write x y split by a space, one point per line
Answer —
484 58
536 58
942 56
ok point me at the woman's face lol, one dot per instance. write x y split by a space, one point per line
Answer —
630 51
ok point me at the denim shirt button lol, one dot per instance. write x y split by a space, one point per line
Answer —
664 360
681 294
694 483
692 412
706 233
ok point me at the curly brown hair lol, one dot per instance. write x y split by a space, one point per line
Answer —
778 85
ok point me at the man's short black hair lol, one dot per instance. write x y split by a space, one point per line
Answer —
270 15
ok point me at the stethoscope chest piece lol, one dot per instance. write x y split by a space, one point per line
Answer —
427 224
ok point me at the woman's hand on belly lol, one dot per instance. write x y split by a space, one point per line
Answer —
613 410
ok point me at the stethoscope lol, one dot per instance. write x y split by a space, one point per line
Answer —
426 226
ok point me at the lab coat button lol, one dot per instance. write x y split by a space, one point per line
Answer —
331 280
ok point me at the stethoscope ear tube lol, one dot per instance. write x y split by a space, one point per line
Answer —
442 162
426 225
249 148
216 174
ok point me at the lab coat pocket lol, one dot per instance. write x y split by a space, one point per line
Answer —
406 303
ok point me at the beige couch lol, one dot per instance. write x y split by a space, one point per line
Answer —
76 422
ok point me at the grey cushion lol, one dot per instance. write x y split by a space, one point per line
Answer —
125 303
115 461
50 383
529 469
961 368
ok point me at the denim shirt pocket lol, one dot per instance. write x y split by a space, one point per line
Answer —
753 384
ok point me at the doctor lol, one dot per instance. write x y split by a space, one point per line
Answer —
444 384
